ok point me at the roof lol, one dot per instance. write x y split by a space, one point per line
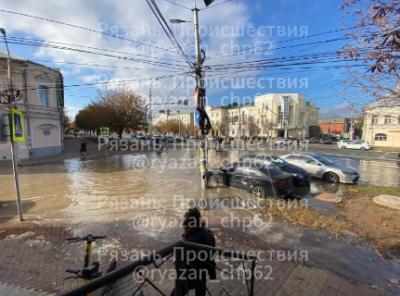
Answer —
3 55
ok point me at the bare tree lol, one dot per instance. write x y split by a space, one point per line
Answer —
376 43
267 127
252 129
174 126
117 108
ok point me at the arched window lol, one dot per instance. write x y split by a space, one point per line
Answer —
380 137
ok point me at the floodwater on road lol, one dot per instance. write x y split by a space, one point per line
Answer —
140 199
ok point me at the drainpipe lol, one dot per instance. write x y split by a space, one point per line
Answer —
60 101
26 105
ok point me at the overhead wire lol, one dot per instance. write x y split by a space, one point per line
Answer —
22 39
166 28
144 61
291 40
85 28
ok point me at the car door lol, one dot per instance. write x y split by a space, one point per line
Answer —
313 166
352 145
243 177
237 177
357 145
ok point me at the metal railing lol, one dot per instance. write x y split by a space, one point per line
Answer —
107 283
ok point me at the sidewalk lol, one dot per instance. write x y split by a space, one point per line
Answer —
36 257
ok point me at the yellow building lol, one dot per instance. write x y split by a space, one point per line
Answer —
41 100
382 123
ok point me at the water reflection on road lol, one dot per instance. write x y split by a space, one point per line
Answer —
141 198
102 188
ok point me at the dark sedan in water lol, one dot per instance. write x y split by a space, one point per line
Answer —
260 179
300 176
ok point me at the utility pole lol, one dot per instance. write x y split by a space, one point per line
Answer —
240 122
200 102
11 102
149 114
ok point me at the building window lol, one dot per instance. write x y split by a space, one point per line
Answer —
374 119
43 93
380 137
388 119
46 132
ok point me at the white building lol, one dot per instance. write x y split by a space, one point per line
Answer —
271 115
186 118
42 101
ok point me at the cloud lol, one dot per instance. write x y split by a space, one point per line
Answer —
71 111
131 19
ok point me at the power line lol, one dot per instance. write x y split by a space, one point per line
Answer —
166 28
305 59
92 65
294 39
22 39
150 62
85 28
115 81
177 4
283 47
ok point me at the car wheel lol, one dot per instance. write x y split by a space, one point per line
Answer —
331 177
363 148
258 192
343 147
213 181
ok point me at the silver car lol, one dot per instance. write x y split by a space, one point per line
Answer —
323 168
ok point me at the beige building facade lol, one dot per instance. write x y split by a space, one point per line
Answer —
382 123
186 118
42 102
271 115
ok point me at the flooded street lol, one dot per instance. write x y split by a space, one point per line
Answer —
88 190
138 201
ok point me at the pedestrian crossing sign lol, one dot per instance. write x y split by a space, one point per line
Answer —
17 125
105 132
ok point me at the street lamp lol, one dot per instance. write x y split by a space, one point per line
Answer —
178 21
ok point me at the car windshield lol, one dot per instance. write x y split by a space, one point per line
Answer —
279 162
323 160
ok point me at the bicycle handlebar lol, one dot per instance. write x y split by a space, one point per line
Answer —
87 238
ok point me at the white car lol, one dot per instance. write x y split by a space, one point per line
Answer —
323 168
283 142
353 144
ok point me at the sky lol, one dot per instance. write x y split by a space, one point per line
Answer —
76 38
